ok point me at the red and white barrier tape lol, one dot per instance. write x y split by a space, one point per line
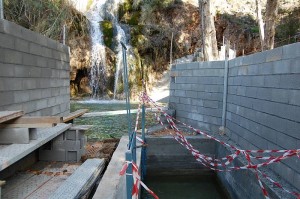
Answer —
208 161
136 180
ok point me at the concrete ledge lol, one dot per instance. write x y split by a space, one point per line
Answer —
10 154
112 185
81 180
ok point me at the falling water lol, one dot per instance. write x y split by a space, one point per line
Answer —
121 37
99 10
98 61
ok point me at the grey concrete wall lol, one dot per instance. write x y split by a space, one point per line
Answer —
34 72
263 107
196 92
165 156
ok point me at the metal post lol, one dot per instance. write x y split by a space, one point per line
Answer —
64 34
143 122
129 178
1 10
171 50
202 27
126 88
225 85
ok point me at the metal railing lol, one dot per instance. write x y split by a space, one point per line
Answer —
130 154
1 10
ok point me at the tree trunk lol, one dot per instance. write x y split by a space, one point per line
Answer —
260 23
208 31
271 14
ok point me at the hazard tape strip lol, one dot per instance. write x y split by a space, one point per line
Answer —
136 180
206 161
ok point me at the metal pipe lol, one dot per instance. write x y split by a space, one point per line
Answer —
129 179
126 89
225 85
64 34
1 10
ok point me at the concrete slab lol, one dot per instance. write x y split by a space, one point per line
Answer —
14 152
14 136
80 179
112 185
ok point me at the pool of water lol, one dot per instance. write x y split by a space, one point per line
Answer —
184 187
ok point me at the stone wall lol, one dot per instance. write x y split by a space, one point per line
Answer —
34 72
263 101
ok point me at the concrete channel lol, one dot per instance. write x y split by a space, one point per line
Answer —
165 157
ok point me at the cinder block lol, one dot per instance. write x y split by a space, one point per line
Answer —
71 135
29 83
181 66
33 134
210 104
35 94
294 96
12 57
273 81
7 41
274 54
282 67
47 52
291 51
42 40
68 145
21 96
266 68
14 136
35 49
52 155
28 35
290 81
7 70
6 98
73 156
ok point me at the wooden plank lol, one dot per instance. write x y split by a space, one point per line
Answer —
75 114
37 125
8 115
36 120
32 122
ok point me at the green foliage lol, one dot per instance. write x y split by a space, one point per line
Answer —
90 2
107 29
44 16
289 26
255 29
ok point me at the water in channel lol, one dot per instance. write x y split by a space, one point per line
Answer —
184 187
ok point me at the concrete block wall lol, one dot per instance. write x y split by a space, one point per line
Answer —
67 147
263 101
196 92
263 109
34 72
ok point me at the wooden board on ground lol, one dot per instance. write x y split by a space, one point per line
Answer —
9 115
32 122
74 115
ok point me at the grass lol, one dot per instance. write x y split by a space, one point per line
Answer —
113 126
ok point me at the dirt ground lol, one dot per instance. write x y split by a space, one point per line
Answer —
100 149
167 132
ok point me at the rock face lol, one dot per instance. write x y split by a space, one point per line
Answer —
150 31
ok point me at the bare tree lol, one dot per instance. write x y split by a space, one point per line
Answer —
209 41
260 23
270 19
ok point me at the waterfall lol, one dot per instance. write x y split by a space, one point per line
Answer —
98 55
101 9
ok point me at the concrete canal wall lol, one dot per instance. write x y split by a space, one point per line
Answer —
34 72
263 101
